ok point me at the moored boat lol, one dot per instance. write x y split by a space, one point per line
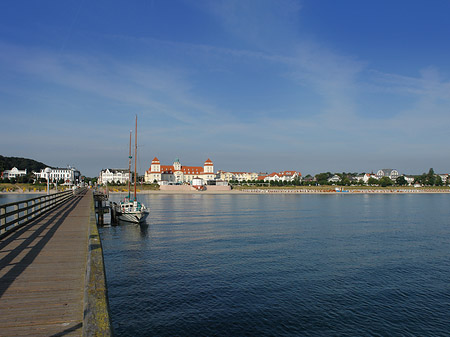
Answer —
131 210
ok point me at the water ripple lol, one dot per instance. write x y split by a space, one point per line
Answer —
282 266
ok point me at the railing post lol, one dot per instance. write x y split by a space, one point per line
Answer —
39 206
2 220
33 203
16 216
25 211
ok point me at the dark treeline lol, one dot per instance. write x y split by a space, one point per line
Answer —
7 163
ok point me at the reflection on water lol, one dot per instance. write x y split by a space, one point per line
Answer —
274 265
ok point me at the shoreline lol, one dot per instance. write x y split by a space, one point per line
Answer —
293 192
265 191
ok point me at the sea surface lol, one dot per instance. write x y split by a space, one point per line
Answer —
6 198
282 265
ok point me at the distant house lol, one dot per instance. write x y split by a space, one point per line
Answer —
309 179
390 173
444 178
14 173
334 179
239 176
288 176
364 177
113 176
409 179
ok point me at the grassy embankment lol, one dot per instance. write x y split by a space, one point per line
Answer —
139 188
7 187
21 188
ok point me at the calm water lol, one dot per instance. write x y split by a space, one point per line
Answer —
282 265
7 198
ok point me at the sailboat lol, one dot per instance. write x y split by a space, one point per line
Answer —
131 210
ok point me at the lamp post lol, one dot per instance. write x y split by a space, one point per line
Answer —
48 170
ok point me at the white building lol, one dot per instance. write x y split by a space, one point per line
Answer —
334 179
365 177
444 178
288 176
177 173
70 175
390 173
239 176
409 179
113 176
14 173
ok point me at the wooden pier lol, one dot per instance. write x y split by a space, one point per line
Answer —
52 280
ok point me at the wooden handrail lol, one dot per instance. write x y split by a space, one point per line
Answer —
17 214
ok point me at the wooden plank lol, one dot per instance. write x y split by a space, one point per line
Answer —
42 273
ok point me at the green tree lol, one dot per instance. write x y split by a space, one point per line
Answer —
401 181
345 181
438 181
430 177
385 181
322 178
422 179
22 179
372 181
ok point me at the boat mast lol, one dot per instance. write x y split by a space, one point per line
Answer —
135 155
129 169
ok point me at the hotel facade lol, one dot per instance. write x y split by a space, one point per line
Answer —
177 173
14 173
70 175
120 176
237 176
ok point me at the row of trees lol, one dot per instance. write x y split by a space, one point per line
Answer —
347 179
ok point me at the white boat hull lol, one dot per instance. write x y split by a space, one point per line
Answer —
132 212
133 217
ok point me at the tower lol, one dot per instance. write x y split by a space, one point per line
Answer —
177 165
156 166
208 167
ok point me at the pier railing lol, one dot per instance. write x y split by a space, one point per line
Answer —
17 214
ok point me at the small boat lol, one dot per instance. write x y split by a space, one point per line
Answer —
131 210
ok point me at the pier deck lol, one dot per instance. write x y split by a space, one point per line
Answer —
43 271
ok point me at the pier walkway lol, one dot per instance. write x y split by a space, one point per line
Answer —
44 272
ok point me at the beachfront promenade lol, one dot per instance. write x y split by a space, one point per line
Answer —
52 277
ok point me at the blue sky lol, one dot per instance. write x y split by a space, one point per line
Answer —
254 85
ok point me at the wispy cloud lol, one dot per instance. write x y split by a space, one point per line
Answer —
186 92
154 89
